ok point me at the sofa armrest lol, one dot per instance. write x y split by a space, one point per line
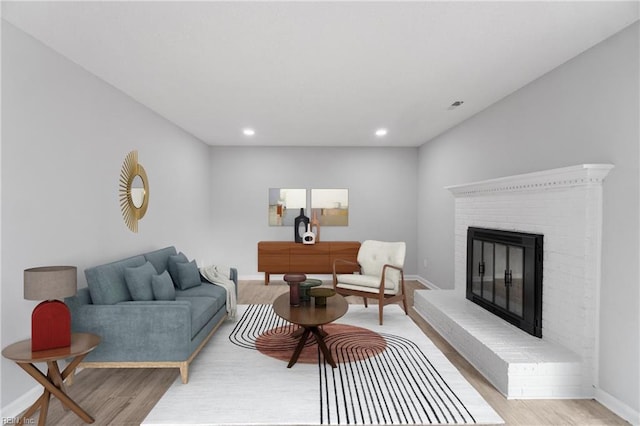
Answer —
136 331
82 297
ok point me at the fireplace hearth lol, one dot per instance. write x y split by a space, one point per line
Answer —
504 275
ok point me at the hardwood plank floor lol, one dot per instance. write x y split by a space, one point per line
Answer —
126 396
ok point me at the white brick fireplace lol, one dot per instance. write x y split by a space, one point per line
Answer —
565 205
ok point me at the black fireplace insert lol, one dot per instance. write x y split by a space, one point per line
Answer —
504 275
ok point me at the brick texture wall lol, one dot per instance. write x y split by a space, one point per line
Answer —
565 205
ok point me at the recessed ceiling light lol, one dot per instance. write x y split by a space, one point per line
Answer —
381 132
248 132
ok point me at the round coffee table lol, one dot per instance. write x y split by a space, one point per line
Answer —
310 318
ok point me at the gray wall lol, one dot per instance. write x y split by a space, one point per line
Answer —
382 185
65 135
585 111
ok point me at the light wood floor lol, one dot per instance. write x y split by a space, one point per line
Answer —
125 396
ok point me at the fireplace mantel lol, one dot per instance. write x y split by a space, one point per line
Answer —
582 174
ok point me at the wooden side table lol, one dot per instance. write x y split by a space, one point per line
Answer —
53 382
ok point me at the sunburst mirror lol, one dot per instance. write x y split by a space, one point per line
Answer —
134 191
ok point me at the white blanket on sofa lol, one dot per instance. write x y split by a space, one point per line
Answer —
219 275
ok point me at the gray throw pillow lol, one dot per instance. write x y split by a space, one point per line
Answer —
138 281
172 268
162 286
188 275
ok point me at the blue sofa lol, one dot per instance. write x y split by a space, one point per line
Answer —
137 329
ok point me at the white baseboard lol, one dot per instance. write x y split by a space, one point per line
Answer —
251 277
424 281
14 408
617 406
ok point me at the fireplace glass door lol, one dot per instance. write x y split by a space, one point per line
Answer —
497 276
504 275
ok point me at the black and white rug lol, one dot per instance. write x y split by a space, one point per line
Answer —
390 374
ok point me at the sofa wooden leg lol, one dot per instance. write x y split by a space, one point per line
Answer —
184 372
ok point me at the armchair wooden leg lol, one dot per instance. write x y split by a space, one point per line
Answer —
381 303
366 305
404 293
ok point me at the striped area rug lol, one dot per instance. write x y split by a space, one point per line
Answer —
390 374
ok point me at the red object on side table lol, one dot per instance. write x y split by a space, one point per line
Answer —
50 326
50 320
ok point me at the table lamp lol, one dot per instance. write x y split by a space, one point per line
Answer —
51 319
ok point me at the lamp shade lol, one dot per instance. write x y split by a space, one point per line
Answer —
50 282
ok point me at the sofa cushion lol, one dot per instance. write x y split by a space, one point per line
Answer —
139 281
206 289
172 263
162 286
160 258
106 283
202 310
188 275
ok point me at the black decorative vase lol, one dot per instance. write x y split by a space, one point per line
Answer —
300 221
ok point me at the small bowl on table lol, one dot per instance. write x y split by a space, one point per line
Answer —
307 285
320 295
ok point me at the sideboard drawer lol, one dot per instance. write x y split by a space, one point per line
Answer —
348 249
273 263
277 248
310 264
297 249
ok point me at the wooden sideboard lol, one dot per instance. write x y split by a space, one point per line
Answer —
282 257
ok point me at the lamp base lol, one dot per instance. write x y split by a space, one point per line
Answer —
50 326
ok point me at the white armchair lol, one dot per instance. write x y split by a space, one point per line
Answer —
381 274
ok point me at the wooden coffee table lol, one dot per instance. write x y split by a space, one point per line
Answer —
310 318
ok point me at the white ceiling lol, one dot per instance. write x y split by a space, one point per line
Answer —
319 73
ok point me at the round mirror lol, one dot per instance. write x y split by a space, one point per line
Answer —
134 191
137 191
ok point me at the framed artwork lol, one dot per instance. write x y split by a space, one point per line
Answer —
285 205
330 207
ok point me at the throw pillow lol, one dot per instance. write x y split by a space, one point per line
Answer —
138 281
188 275
171 265
162 286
